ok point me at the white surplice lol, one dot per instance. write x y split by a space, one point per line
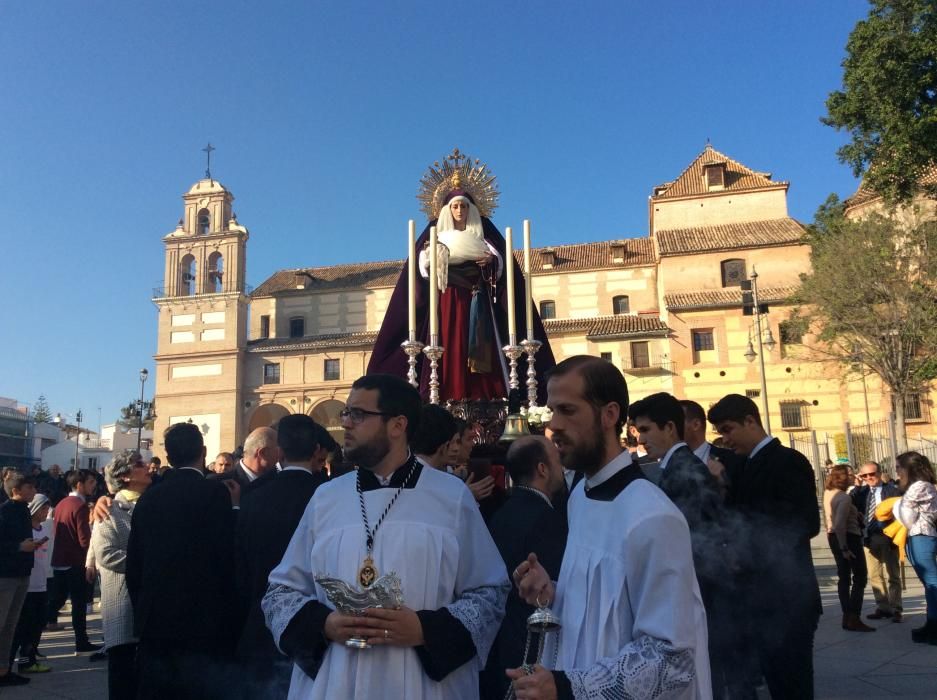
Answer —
436 541
633 622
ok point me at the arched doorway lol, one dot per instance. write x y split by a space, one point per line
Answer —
266 415
326 415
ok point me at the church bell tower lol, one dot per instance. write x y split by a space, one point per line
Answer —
203 308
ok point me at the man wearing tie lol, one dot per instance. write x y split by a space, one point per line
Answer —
881 554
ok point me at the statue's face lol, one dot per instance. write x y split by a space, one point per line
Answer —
460 211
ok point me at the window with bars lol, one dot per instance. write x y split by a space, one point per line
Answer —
703 339
640 354
915 409
791 333
793 415
753 393
547 309
607 356
621 305
333 370
272 373
733 272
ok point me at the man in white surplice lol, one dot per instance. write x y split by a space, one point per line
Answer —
426 527
633 622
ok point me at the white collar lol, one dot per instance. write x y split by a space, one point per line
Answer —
609 470
294 468
250 475
76 494
703 451
536 491
665 460
761 444
195 469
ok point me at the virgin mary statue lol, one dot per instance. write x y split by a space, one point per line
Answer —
458 196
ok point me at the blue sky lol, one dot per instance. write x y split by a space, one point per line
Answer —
326 114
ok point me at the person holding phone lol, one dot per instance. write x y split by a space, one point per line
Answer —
33 615
16 562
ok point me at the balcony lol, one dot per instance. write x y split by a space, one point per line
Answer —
644 365
168 293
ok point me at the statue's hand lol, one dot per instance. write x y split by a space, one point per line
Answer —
485 260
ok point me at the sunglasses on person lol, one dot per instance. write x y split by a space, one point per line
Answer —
868 475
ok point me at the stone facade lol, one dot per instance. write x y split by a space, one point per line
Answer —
666 308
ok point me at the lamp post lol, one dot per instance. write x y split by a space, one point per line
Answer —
77 439
766 341
143 376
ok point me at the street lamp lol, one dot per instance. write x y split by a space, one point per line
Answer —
143 376
77 439
765 340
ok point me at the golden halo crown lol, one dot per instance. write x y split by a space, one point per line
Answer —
458 172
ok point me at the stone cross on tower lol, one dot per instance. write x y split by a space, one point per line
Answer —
208 149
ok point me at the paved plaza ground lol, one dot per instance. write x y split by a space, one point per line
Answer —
849 665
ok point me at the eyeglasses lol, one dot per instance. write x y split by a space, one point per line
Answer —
868 475
357 415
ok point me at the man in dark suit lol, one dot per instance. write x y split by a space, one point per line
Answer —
659 423
694 435
775 494
527 522
261 454
180 576
881 554
268 518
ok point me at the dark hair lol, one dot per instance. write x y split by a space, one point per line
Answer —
734 407
918 467
836 469
325 439
523 457
693 411
297 437
603 383
15 480
395 397
184 445
155 460
461 425
437 427
75 477
660 409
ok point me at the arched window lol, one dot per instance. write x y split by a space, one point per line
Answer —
547 309
215 273
187 272
621 305
204 222
733 272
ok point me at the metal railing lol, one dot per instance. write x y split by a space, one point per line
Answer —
170 292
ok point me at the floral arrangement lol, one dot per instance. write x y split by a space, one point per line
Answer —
539 416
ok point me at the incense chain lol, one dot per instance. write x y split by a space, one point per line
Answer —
364 513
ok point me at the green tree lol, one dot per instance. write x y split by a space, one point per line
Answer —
41 411
131 418
871 300
888 103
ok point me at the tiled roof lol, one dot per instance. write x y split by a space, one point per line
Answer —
314 342
692 181
722 298
607 326
753 234
568 258
354 276
866 194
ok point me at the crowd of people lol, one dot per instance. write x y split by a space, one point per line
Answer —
678 568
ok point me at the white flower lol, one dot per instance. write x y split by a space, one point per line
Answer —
539 415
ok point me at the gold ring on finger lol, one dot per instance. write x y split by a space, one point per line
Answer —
386 634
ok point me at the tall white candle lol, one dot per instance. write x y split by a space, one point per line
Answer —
509 262
411 280
528 287
433 291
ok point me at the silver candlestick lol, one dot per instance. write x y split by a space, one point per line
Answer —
513 351
434 352
413 348
531 347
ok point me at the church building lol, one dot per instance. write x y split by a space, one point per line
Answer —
667 309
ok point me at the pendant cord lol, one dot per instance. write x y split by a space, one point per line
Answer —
369 533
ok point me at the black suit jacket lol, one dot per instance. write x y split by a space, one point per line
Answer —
860 497
524 524
270 512
775 492
180 565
